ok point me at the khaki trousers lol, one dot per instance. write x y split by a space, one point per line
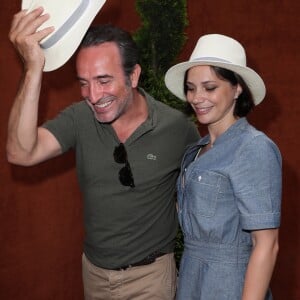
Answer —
156 281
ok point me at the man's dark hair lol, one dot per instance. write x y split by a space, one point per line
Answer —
100 34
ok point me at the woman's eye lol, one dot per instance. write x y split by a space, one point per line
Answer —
210 88
189 88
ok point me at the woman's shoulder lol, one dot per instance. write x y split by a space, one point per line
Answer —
256 141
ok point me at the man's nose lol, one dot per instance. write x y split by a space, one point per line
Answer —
95 93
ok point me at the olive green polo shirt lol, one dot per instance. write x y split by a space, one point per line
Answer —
122 224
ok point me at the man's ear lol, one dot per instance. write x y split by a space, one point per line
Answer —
135 75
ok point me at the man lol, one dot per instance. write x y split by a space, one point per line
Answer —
128 151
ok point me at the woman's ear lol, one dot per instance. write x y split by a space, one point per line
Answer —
238 91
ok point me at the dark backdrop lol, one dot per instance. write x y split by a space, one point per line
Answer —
40 207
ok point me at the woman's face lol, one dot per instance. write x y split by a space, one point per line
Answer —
212 98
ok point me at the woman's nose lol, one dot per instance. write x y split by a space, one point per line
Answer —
198 97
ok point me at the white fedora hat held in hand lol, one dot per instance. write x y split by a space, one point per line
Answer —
220 51
71 19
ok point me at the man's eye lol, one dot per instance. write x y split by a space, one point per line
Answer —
82 83
103 82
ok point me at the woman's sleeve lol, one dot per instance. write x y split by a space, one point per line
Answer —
257 183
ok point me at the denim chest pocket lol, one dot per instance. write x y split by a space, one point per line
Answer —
203 192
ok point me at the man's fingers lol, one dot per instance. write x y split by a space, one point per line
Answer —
26 24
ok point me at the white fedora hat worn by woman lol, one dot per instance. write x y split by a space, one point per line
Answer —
220 51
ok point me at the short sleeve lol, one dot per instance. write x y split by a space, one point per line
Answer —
63 128
257 183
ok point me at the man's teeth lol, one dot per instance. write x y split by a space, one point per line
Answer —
102 105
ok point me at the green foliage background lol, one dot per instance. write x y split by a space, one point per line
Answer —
160 40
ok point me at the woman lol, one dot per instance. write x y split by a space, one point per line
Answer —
229 189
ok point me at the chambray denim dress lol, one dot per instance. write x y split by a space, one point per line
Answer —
233 188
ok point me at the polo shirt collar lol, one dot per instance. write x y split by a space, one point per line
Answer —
149 124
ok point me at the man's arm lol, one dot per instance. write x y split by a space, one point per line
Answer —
26 143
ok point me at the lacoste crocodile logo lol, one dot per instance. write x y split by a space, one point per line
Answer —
151 156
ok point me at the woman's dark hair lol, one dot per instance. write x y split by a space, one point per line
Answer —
97 35
244 103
